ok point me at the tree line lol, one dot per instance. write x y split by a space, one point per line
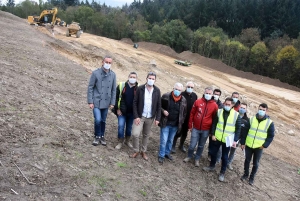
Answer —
251 35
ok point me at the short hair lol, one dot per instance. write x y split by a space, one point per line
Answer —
178 85
208 88
229 99
107 57
244 104
235 93
151 73
263 105
132 73
189 82
218 90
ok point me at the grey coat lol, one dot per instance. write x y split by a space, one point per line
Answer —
102 89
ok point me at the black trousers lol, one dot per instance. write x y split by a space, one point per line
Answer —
182 135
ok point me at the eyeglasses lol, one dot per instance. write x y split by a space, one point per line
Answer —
189 87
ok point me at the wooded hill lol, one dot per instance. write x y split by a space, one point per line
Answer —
259 36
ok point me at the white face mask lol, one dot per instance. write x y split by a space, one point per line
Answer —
106 66
216 97
150 82
189 90
132 80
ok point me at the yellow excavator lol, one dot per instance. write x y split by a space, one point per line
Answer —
45 17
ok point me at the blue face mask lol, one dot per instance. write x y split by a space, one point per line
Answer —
207 96
235 100
189 90
261 113
227 108
176 92
242 111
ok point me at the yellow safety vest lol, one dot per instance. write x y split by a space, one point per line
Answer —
220 133
121 87
258 132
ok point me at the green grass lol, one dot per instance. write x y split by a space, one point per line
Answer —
100 192
118 195
299 171
144 193
98 181
78 154
121 164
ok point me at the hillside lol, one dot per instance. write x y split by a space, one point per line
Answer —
46 127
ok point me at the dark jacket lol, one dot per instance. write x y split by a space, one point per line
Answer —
190 100
165 105
237 105
244 121
220 104
102 88
202 114
123 106
225 117
270 132
138 102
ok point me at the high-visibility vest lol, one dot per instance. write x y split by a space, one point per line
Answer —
221 133
257 134
121 87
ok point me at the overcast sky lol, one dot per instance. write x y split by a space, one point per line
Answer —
113 3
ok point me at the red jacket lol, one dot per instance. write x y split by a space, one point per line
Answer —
202 114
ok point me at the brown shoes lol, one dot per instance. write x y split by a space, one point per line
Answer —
134 155
144 156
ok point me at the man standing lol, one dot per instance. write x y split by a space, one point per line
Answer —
244 120
101 95
124 110
146 109
235 97
217 94
226 124
190 98
173 109
200 122
258 135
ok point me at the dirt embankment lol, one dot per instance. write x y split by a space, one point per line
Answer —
211 64
46 128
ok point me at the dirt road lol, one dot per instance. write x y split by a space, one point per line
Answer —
46 127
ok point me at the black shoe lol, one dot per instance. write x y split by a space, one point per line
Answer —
169 157
173 150
103 141
96 141
251 181
182 148
244 177
160 160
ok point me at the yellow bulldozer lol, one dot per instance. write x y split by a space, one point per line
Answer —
74 29
46 16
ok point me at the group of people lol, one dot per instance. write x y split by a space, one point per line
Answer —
177 113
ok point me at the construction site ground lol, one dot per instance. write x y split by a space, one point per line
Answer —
46 126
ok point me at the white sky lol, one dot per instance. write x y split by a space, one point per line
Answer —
113 3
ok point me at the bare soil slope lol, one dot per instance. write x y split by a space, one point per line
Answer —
46 128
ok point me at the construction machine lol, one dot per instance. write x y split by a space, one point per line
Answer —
74 29
45 17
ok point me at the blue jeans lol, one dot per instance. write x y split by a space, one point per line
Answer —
99 121
215 149
256 153
166 140
200 137
122 120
